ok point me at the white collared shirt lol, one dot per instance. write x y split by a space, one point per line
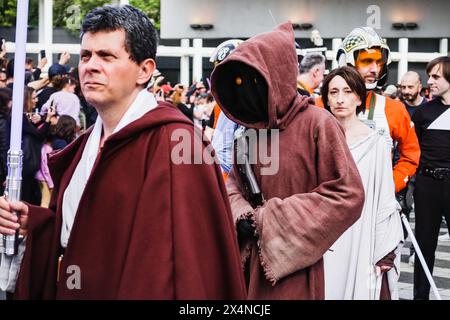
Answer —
144 102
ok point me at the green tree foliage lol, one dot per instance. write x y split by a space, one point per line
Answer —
69 14
151 8
8 13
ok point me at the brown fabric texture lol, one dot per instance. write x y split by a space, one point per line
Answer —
385 293
388 260
317 192
140 231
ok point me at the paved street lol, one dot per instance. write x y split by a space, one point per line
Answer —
441 272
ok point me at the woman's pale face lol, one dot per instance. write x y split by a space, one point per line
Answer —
341 99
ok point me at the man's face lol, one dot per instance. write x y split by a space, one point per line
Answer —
410 87
108 76
200 88
369 64
438 85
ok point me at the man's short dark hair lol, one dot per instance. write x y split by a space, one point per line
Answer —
310 60
444 63
354 81
140 35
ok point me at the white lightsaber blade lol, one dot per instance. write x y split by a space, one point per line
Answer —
14 179
421 258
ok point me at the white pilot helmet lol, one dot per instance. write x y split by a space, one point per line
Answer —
362 38
223 50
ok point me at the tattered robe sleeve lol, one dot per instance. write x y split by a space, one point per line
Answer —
295 232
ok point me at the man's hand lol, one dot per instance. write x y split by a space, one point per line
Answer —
38 84
380 270
158 80
65 57
36 118
386 263
42 63
8 220
51 113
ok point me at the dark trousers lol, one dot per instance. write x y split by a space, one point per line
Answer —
30 192
431 201
405 199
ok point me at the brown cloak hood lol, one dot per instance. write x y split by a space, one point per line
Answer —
268 67
317 192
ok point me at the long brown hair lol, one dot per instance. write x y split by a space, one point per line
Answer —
28 99
65 128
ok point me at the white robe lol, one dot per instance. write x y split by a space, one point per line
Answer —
350 266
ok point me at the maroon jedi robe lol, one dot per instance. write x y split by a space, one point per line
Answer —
316 194
145 228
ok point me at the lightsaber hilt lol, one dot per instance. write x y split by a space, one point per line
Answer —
12 194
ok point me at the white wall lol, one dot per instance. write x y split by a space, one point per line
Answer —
333 18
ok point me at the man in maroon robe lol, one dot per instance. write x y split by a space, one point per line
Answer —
316 192
127 220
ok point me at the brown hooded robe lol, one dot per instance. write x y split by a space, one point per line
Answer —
145 228
316 194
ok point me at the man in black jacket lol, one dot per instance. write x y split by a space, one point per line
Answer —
432 124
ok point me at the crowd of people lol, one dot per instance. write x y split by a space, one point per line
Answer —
100 188
52 112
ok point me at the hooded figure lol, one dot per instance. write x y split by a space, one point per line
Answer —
315 195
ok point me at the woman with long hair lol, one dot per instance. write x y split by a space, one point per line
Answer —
64 132
364 262
32 140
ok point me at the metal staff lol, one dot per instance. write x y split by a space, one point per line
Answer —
421 258
14 179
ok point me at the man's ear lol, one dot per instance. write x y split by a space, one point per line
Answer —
146 71
315 70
